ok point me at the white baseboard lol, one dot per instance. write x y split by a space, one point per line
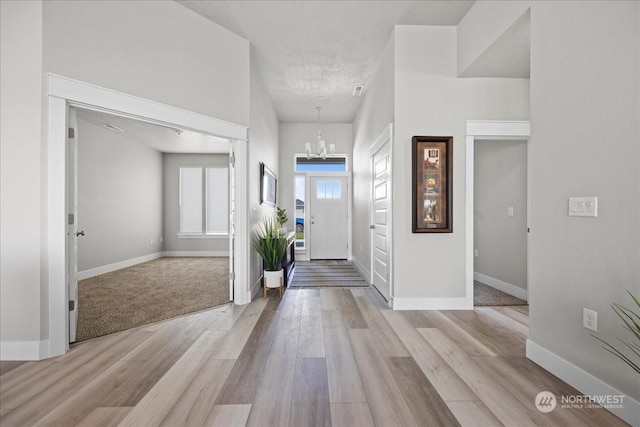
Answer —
583 381
362 269
92 272
24 350
195 253
508 288
255 288
461 303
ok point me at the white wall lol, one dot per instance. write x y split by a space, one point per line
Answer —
20 172
292 139
482 26
585 128
375 113
155 50
263 147
500 179
119 197
171 224
430 100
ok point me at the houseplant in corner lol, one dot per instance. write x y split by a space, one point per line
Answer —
272 247
281 217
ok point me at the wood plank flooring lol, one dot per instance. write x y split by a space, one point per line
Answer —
318 357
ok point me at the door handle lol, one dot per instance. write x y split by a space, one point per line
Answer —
79 233
372 227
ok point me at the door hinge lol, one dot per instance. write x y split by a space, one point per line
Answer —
72 305
232 160
71 219
232 276
72 133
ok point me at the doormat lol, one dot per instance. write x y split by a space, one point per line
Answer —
329 273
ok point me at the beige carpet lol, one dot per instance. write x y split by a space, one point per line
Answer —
326 273
484 295
149 292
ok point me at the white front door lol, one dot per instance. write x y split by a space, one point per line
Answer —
381 224
328 217
72 220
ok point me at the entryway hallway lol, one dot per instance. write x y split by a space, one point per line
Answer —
315 357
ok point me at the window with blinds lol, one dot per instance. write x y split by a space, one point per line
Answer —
204 201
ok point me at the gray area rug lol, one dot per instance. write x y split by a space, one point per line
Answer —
484 295
326 273
150 292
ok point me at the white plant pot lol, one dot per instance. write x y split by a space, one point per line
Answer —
272 279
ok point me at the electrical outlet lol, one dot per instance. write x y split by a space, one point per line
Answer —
476 252
590 319
151 241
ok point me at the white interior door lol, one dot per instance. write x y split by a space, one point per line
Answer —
232 222
329 218
72 220
381 224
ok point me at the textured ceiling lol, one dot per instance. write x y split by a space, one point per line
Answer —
313 53
161 138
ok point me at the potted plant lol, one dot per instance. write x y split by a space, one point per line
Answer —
272 247
282 219
631 320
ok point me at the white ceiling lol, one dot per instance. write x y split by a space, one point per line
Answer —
161 138
313 53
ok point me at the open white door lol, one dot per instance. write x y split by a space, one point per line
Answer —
232 220
381 214
72 221
329 217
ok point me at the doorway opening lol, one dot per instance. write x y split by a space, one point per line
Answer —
64 93
479 131
500 223
150 236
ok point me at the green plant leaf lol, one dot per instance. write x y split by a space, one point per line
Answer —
269 244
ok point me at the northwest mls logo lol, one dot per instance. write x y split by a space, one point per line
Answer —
546 401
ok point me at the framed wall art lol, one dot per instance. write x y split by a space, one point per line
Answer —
268 186
432 185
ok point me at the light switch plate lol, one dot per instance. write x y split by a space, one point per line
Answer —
583 206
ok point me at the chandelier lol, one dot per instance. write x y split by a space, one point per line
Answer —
322 147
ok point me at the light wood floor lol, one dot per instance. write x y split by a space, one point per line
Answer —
317 357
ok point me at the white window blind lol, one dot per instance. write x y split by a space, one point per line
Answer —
190 200
217 201
204 201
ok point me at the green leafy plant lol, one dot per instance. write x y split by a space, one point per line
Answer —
631 321
281 216
269 244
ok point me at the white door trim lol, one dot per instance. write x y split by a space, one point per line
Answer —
383 138
63 92
478 130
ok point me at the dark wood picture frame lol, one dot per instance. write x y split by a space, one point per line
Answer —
268 186
432 184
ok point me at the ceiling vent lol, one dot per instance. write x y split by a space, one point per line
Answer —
357 91
112 127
